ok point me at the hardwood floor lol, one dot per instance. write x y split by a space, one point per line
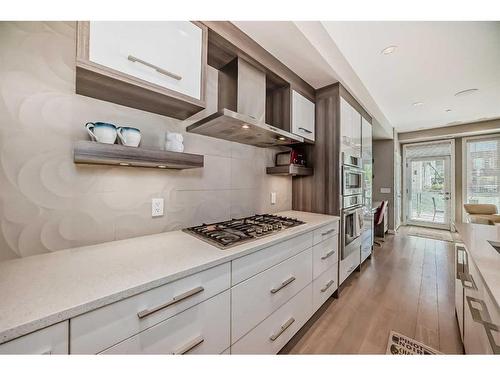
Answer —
407 286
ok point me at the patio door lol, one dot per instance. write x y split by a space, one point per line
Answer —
428 191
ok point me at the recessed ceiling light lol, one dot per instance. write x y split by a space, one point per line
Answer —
124 164
245 126
281 138
418 104
388 50
466 92
162 166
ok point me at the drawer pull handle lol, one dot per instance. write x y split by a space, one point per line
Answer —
328 232
328 285
189 346
157 68
283 284
283 328
486 323
176 299
305 130
328 255
467 281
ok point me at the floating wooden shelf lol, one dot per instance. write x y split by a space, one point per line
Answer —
86 152
290 170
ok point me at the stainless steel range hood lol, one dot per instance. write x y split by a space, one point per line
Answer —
242 109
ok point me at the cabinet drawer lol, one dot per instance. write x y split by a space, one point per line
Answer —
202 329
166 53
255 299
325 255
481 316
99 329
325 232
324 286
50 340
303 116
252 264
348 265
277 329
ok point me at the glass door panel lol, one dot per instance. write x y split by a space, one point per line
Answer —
429 191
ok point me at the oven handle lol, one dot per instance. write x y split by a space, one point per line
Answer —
351 210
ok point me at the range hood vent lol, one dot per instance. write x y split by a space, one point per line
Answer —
242 110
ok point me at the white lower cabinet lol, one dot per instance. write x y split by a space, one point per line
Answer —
325 255
348 265
253 304
250 265
324 286
99 329
202 329
481 315
277 329
325 232
256 298
50 340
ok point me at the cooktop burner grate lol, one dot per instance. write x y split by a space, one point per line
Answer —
233 232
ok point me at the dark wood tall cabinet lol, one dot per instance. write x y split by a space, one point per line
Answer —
321 192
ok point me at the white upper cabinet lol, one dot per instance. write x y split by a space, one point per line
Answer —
303 116
168 54
350 121
158 67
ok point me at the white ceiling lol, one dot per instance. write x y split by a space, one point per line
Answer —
433 61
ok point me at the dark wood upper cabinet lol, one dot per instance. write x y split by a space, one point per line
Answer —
158 67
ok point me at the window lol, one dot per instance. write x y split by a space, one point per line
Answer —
482 170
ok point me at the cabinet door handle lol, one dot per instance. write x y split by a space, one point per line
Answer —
328 285
283 284
328 232
189 346
328 255
157 68
467 281
176 299
283 328
305 130
460 260
485 322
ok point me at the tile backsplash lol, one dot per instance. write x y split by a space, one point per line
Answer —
48 203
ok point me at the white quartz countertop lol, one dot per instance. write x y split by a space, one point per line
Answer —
41 290
475 238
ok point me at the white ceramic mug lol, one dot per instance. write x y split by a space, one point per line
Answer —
129 136
101 132
173 142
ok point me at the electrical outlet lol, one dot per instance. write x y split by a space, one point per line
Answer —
157 207
273 197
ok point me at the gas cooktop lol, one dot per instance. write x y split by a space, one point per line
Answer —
235 231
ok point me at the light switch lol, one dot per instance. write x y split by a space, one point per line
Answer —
157 207
273 197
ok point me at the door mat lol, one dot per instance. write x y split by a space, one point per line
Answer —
434 234
402 345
